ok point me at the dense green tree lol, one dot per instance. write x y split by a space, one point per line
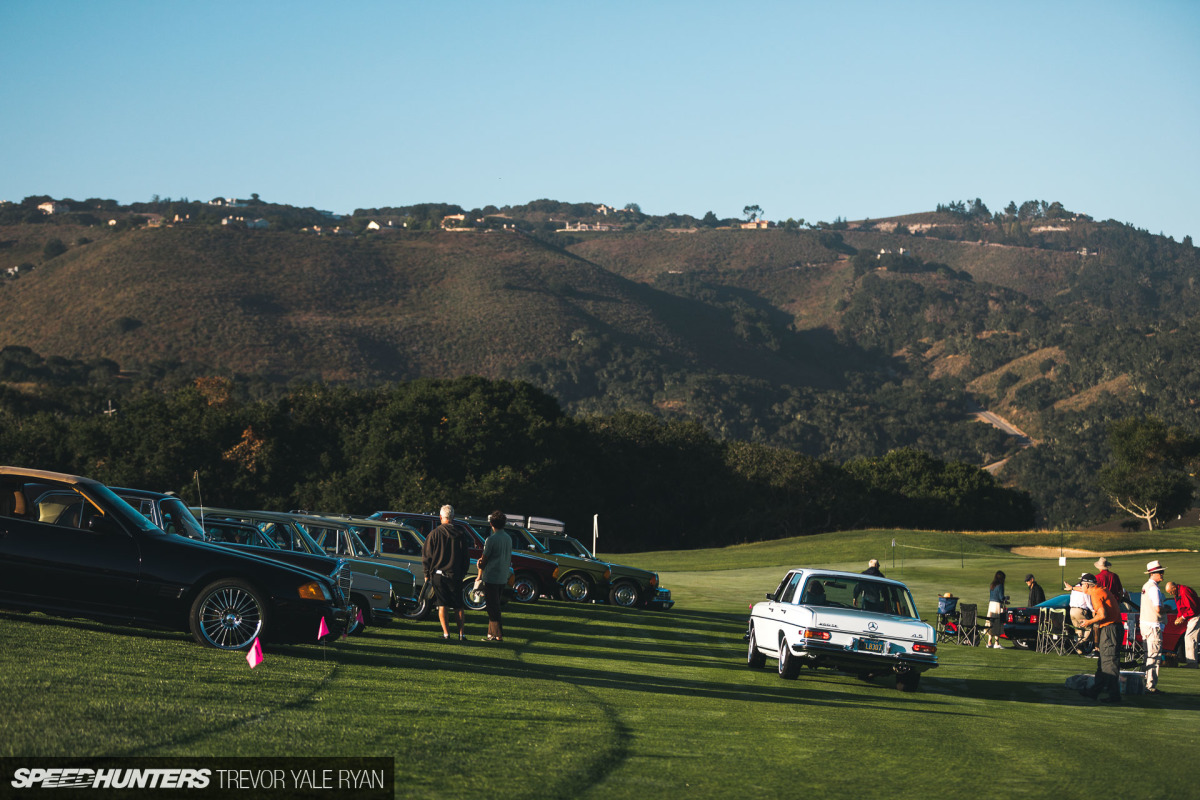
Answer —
1147 475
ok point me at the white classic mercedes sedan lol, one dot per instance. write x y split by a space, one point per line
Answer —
861 624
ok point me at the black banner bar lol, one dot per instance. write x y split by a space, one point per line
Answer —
330 778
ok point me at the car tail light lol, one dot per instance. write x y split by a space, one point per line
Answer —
925 648
824 635
1033 618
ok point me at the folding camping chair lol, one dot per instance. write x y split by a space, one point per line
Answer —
947 619
967 625
1053 633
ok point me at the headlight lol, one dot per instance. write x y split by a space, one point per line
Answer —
314 590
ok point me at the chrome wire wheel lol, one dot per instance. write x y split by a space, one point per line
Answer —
228 615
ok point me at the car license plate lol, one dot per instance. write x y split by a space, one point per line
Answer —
872 645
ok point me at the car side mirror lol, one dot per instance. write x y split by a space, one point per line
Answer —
770 596
103 525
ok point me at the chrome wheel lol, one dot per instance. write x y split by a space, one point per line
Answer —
576 588
228 615
624 594
754 657
420 611
525 589
788 666
472 599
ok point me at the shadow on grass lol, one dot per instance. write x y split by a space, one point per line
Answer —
96 626
718 671
1052 692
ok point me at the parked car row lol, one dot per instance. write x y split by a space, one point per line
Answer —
69 545
577 576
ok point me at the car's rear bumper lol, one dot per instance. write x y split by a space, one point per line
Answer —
1015 631
836 655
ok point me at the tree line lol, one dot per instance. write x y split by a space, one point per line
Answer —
482 444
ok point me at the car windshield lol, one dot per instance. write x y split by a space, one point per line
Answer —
335 540
120 508
177 519
238 533
398 540
863 593
567 546
523 540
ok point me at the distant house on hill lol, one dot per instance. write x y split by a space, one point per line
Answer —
572 227
54 207
756 225
242 222
228 202
449 219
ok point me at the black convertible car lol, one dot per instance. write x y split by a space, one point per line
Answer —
70 546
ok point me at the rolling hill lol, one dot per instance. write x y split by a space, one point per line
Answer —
843 341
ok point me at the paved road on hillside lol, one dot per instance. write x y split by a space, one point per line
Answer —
997 421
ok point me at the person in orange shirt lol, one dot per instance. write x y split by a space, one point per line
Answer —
1106 617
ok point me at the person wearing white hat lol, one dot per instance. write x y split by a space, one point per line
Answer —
1151 622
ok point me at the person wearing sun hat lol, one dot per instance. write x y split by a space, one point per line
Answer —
1151 621
1108 579
1106 619
1081 609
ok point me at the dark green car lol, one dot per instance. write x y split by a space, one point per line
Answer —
631 587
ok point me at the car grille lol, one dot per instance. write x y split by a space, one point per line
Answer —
343 578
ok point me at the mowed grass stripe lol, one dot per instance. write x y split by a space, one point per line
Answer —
598 702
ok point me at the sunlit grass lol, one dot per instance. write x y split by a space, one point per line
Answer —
597 702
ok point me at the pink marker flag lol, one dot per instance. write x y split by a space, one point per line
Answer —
359 616
322 631
255 656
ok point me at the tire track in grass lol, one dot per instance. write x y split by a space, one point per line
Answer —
606 762
299 703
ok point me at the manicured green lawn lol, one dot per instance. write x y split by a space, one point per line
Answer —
597 702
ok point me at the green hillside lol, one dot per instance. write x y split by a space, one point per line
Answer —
838 341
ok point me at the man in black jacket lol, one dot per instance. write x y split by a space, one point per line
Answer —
1036 595
446 561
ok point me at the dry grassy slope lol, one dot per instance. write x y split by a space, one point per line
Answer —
389 306
1038 273
797 273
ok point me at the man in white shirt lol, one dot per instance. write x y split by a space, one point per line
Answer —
1151 622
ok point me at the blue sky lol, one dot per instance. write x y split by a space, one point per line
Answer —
809 110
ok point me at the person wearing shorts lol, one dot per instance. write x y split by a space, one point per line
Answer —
445 560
